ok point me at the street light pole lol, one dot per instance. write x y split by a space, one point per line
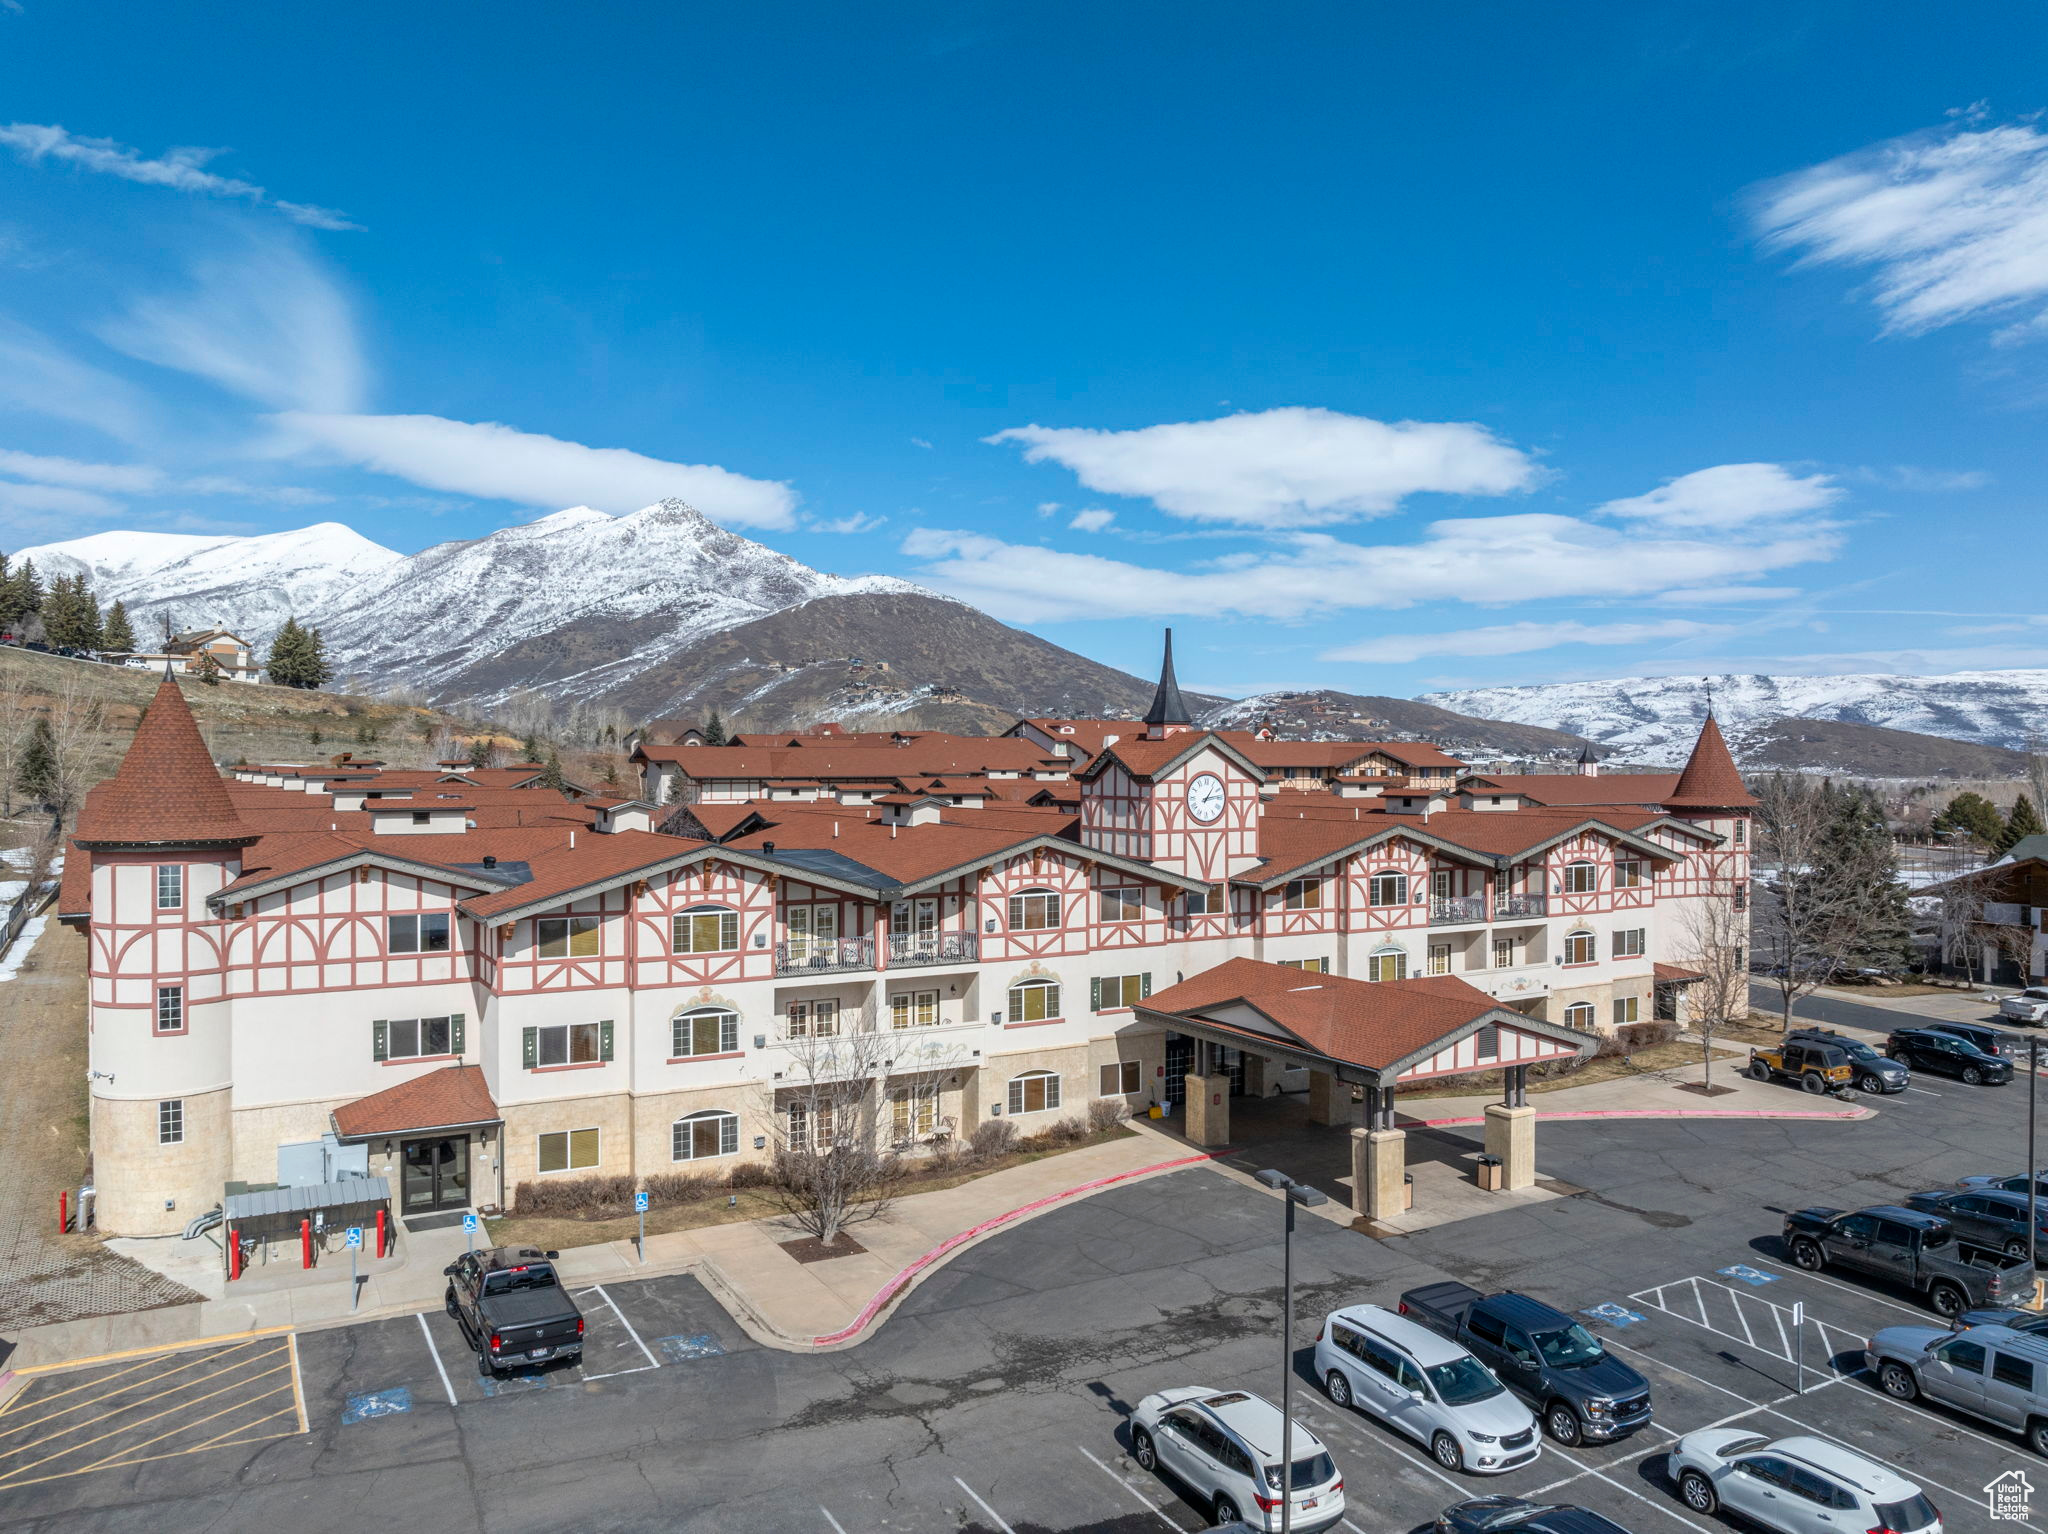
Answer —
1292 1193
2033 1174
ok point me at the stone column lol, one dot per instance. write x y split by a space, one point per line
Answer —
1379 1165
1208 1121
1511 1136
1255 1068
1329 1100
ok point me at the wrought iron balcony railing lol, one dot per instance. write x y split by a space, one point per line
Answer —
823 955
908 948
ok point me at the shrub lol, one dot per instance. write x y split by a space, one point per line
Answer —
751 1174
670 1188
576 1198
1630 1037
1105 1113
993 1138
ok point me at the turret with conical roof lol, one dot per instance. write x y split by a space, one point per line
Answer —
1167 713
1711 780
168 792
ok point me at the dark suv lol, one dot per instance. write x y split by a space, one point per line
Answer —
1948 1054
1874 1073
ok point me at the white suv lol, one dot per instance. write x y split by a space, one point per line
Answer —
1426 1386
1211 1440
1796 1485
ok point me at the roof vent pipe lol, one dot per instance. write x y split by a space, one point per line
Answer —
490 861
768 848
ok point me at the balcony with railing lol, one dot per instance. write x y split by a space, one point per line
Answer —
1517 907
823 955
1449 910
911 948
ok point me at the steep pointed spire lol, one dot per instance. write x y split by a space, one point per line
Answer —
1711 779
168 791
1167 712
1589 764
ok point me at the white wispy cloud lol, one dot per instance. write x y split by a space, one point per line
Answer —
1903 476
40 377
857 522
1729 495
1952 224
1715 596
483 458
122 478
182 170
1093 520
60 500
1289 467
1514 639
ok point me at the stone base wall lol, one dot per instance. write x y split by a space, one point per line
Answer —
135 1176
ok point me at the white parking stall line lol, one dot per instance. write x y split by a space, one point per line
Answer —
1924 1092
1385 1440
1835 1283
1662 1507
998 1517
837 1526
1742 1306
652 1361
439 1367
1150 1506
1917 1472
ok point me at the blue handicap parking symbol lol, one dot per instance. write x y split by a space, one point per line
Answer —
1754 1277
353 1237
1613 1314
376 1403
471 1222
640 1202
679 1350
520 1380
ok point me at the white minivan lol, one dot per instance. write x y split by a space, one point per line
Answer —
1426 1386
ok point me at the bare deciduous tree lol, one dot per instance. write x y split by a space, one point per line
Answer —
1958 912
16 719
1716 936
77 724
1816 907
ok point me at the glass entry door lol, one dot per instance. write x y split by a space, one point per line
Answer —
435 1175
1180 1059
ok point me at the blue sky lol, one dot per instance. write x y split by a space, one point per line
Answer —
1370 347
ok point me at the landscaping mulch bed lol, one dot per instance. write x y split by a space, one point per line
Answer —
1703 1090
811 1249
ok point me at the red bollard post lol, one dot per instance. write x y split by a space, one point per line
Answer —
305 1243
381 1233
234 1253
63 1210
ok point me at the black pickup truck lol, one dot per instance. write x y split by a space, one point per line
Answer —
512 1308
1906 1247
1580 1390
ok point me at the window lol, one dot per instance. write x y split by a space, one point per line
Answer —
1034 910
811 1125
913 1113
170 886
1580 948
1034 1001
1581 878
1487 1327
568 1044
1741 895
707 929
914 1009
1126 904
1387 889
170 1009
422 818
2006 1369
1120 1078
1579 1015
1486 1042
813 1019
708 1031
567 937
1504 953
1631 942
1387 964
1631 873
170 1122
1206 902
1627 1009
1440 883
1304 894
1313 966
1034 1092
701 1136
1963 1357
1121 991
1741 833
427 933
1439 958
568 1150
413 1038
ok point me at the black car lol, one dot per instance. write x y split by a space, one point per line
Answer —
1874 1073
1997 1220
2016 1183
1947 1054
512 1308
1991 1040
1498 1515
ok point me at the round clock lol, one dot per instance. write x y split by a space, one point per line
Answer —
1205 797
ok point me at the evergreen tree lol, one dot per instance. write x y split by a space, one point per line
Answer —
297 656
314 737
1973 816
35 774
206 668
71 616
529 748
2024 821
118 634
714 730
551 774
480 751
1859 853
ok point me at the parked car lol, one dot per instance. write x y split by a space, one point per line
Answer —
1498 1515
1425 1386
2028 1006
1579 1389
1926 1049
1815 1066
1999 1315
512 1308
1874 1073
1992 1041
1795 1485
1224 1446
1993 1372
1992 1219
1906 1247
2015 1183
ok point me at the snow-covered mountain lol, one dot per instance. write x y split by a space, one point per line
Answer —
1654 719
248 584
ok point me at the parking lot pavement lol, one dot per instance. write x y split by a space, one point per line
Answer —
156 1406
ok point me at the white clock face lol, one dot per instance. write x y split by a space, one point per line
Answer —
1205 797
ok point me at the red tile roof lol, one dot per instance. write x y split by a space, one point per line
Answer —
1710 780
449 1098
1674 972
168 790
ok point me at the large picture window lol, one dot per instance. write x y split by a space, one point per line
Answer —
1579 1015
416 1038
1581 878
702 1136
1387 889
568 1044
425 933
1631 942
1034 1092
1303 895
1206 902
1120 1078
1034 1001
706 1031
1121 990
1123 904
1034 910
1631 873
707 929
1580 948
567 937
567 1150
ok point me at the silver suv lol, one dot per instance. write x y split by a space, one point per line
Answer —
1993 1372
1795 1485
1426 1386
1224 1446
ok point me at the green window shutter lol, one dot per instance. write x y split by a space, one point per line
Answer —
1095 996
1145 984
380 1040
457 1032
604 1039
532 1049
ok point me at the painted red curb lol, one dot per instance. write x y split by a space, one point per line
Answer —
1665 1113
889 1290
